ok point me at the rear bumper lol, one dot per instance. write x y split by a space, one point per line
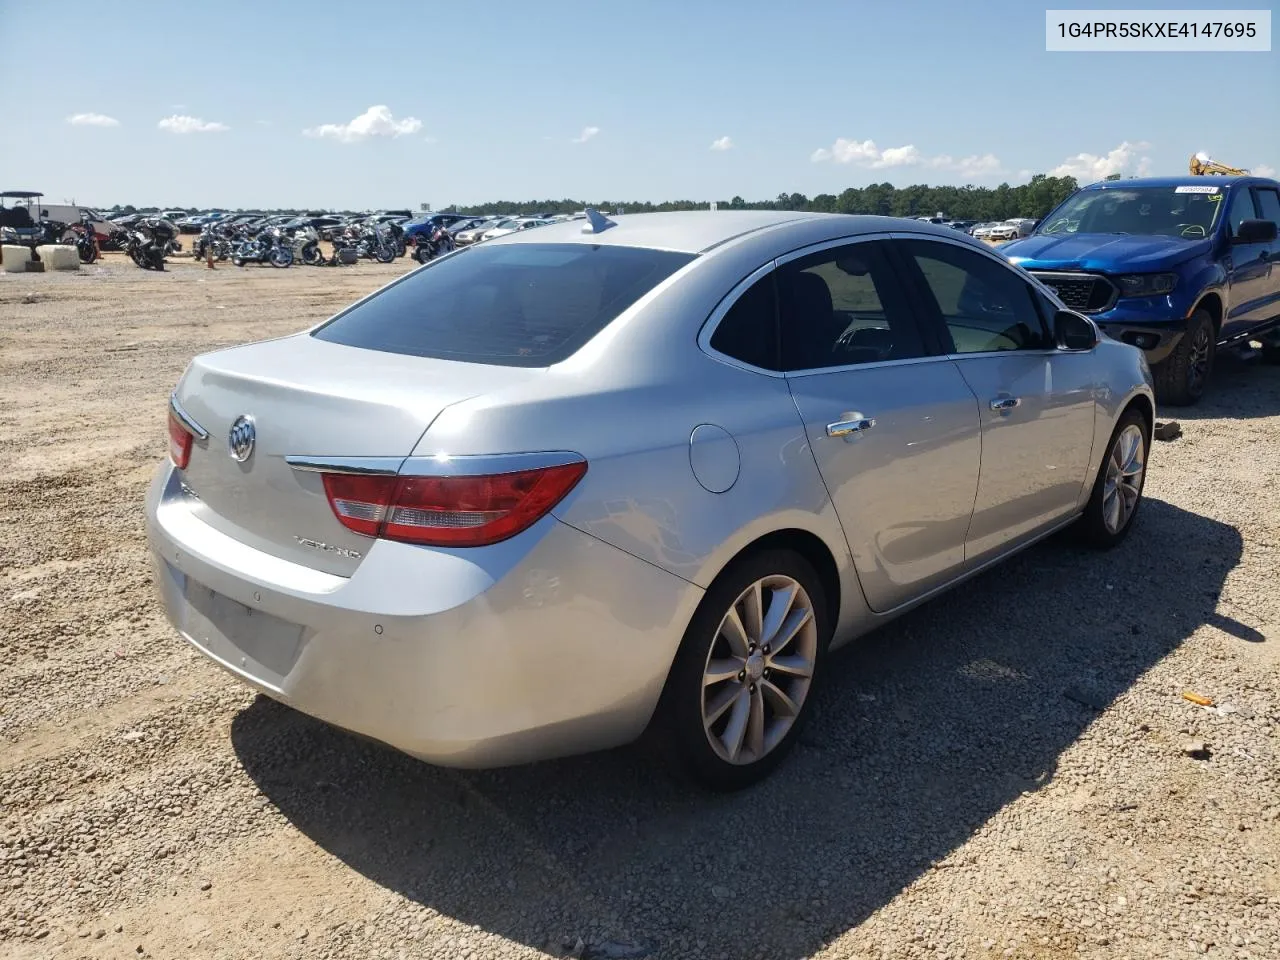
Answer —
549 644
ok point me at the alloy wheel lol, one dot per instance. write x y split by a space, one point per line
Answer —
759 669
1198 368
1123 485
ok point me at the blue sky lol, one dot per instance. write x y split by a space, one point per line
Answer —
248 104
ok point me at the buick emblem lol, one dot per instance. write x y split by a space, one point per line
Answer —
240 439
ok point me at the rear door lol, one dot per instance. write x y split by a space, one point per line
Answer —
1248 270
891 423
1036 402
1267 201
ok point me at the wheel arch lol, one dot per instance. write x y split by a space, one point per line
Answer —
1142 403
1211 303
807 545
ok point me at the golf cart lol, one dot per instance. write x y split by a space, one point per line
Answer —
17 225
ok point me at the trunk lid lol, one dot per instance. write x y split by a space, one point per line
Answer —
309 397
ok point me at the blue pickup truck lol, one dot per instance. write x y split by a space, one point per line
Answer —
1178 266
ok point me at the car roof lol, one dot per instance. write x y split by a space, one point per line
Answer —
696 231
1185 180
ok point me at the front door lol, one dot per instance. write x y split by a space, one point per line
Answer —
892 424
1036 402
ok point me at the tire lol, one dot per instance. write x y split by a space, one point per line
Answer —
1181 379
421 253
384 254
237 261
1099 525
281 258
705 750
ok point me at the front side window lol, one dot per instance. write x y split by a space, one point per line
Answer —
844 306
985 306
516 305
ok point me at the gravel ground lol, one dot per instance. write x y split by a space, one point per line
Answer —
1011 771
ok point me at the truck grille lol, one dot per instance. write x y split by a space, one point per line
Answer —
1086 292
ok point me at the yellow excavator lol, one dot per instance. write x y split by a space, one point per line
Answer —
1202 164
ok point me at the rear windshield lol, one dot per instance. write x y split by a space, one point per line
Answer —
517 305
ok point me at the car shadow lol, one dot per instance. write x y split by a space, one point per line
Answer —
1240 387
923 732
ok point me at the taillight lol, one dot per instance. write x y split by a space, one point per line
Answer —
449 511
179 442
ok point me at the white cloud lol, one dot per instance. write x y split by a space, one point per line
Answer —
377 121
1089 168
92 120
263 123
724 143
586 134
986 165
865 153
183 124
1262 170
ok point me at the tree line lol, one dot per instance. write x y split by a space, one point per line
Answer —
1033 199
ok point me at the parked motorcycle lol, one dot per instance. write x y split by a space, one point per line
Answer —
147 242
306 246
375 243
84 238
396 233
438 243
269 246
345 249
211 238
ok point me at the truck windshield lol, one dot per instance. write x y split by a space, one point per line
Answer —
1188 211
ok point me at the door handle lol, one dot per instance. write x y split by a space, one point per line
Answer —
854 424
1005 403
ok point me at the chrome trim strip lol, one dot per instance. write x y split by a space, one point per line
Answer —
184 418
477 465
873 365
440 465
355 466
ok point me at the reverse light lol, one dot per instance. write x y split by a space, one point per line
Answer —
1146 284
449 511
180 439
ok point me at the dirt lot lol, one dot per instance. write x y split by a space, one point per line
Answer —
953 798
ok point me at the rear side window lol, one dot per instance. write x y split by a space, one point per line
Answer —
749 331
1269 204
516 305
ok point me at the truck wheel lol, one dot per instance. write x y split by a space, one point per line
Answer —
1181 379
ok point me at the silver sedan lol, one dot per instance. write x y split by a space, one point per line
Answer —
542 494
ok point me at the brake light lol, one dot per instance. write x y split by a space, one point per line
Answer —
179 442
449 511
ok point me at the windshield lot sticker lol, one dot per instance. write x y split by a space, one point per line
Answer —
1195 189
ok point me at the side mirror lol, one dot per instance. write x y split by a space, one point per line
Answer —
1255 231
1074 332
